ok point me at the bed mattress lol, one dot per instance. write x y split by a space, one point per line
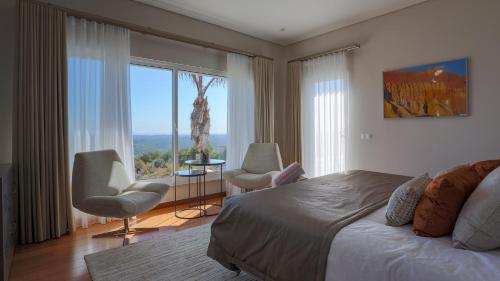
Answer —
370 250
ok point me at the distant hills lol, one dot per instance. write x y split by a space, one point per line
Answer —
147 143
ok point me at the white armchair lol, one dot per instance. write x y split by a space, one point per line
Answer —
262 162
101 187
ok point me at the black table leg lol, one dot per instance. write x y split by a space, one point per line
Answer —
189 188
205 192
221 185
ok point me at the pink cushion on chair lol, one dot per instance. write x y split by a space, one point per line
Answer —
290 174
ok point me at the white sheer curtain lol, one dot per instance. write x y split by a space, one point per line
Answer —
325 91
241 114
98 94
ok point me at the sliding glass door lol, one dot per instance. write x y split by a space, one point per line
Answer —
169 96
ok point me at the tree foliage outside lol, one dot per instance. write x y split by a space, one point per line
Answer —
200 116
157 164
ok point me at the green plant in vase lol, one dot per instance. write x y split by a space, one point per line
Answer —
205 155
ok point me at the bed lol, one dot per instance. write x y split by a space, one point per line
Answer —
370 250
332 228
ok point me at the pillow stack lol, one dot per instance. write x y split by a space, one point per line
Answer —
442 200
483 168
463 200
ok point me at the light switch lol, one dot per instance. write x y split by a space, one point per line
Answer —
366 136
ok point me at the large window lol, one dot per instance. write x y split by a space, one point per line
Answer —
165 97
151 104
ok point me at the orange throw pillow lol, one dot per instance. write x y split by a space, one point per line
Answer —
483 168
442 200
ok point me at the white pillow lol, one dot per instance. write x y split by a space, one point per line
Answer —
478 225
404 200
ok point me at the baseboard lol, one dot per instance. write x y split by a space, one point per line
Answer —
191 200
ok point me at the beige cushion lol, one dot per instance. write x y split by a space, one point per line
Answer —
230 174
98 173
156 187
404 200
262 162
478 225
254 181
125 205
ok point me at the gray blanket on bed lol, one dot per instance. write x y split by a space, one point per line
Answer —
285 233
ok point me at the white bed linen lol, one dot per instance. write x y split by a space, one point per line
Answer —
369 250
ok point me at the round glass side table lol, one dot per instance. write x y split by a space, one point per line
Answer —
210 162
199 205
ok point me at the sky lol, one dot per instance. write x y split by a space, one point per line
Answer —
458 67
151 102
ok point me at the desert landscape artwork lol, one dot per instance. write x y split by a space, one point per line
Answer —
433 90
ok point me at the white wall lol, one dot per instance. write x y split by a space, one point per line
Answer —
7 46
434 31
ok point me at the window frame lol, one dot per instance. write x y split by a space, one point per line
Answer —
175 68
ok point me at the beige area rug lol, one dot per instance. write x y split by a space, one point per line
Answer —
178 256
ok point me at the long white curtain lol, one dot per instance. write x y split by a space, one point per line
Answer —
324 97
241 114
98 94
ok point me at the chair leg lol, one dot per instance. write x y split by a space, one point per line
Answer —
115 233
125 230
145 229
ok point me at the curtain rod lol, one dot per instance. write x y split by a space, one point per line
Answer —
152 31
339 50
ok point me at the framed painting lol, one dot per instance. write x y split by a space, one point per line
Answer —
432 90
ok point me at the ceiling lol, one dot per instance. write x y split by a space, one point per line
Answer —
282 21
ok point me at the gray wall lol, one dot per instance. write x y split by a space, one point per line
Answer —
7 46
434 31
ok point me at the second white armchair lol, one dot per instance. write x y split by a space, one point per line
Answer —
262 162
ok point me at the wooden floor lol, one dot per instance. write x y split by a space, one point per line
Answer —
62 259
